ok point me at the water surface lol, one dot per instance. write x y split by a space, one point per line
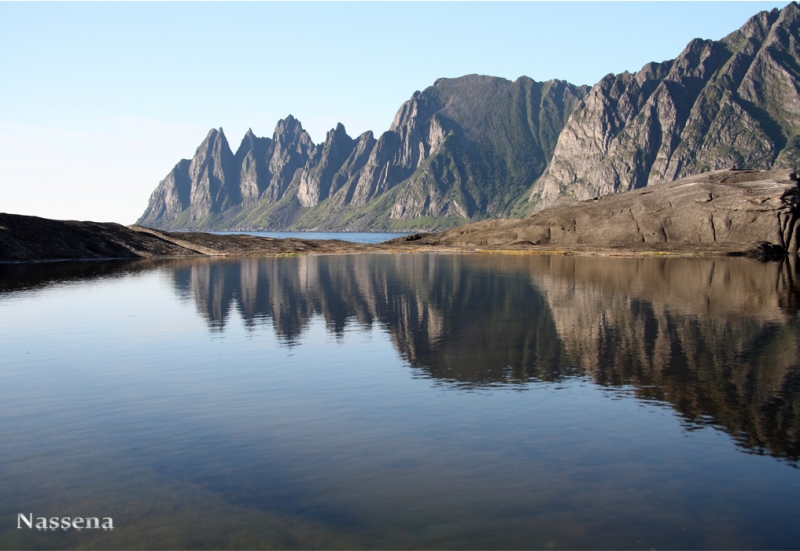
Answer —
353 237
402 401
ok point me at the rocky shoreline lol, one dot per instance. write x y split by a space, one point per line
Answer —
731 212
725 212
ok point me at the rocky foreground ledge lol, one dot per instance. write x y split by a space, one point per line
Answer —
749 212
30 238
726 212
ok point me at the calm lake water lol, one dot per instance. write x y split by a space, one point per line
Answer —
402 401
354 237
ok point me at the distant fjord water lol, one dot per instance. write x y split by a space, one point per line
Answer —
402 401
353 237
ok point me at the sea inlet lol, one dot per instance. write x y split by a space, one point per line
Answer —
425 401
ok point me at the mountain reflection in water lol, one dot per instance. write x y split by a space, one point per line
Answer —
402 401
716 339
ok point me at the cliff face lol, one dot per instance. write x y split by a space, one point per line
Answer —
489 140
480 147
461 150
731 103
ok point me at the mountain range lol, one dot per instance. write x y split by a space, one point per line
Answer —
478 147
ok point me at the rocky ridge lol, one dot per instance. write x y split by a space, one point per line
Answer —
461 150
719 104
481 147
30 238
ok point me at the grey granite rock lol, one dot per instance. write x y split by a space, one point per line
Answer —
213 177
725 210
463 149
254 175
170 198
317 178
724 104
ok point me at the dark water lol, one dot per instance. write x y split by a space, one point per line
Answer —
354 237
402 401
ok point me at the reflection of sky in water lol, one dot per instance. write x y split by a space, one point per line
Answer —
116 399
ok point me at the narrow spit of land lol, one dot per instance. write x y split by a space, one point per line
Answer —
725 212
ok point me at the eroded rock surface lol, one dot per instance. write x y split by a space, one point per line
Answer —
719 104
30 238
725 210
33 238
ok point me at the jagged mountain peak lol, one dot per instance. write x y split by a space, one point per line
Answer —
416 111
214 149
248 141
719 104
478 146
337 134
438 141
756 27
290 134
289 125
251 142
216 134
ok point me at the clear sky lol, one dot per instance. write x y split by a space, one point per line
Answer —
100 100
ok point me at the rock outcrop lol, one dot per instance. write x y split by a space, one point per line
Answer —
30 238
480 147
26 238
734 210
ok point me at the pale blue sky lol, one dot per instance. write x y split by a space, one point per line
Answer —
100 100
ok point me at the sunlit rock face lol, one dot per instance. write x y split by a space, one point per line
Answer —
732 103
724 211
